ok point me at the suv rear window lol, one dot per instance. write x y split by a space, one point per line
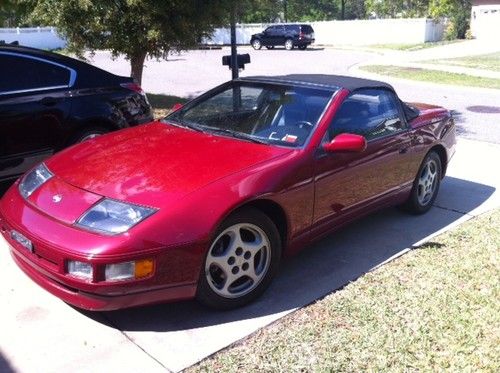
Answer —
306 29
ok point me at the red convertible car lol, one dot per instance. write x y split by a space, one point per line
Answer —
206 202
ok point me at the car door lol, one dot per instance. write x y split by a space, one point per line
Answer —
34 102
346 182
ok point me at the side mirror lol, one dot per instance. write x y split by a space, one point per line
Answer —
177 106
346 142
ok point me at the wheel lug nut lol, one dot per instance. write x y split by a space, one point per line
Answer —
244 266
235 270
247 255
231 260
239 251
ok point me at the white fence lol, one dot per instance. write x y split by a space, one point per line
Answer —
36 37
357 32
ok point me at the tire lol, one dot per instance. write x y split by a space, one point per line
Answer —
288 44
87 134
256 44
241 261
302 47
270 46
426 185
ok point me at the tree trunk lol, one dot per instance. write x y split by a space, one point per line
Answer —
136 66
342 10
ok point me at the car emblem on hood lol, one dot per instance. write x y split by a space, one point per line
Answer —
56 198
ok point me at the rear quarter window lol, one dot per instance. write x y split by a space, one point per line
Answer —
21 73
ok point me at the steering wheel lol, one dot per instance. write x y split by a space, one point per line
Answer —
303 124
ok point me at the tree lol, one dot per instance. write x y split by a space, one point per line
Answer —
133 28
398 8
458 11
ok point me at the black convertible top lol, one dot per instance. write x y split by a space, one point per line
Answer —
322 80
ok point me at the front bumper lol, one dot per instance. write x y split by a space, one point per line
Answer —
176 268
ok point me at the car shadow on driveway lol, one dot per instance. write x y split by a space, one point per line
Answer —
321 268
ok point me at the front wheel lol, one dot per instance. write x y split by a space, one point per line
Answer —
241 261
289 44
256 44
426 185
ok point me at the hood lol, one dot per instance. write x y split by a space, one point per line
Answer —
156 163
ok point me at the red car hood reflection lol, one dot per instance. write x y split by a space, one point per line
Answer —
156 163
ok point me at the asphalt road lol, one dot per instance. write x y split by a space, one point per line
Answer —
190 73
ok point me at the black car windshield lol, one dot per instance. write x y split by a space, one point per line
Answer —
266 113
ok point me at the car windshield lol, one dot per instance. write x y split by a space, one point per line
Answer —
264 113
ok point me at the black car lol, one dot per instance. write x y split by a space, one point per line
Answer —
49 101
297 35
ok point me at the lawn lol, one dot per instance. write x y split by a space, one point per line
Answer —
485 61
433 76
433 309
414 47
162 104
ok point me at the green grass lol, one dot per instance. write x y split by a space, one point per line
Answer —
436 308
484 61
162 104
433 76
414 47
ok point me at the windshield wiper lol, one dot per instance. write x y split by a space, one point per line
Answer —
235 134
179 123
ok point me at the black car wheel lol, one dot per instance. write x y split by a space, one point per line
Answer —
288 44
256 44
87 134
426 185
241 261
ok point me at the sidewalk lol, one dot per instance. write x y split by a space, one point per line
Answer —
420 59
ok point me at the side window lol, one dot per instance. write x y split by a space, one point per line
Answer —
19 73
372 113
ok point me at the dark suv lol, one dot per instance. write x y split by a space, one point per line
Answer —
49 101
288 35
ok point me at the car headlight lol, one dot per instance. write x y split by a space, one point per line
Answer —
80 269
113 217
34 180
129 270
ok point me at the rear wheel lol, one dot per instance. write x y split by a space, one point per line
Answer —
288 44
256 44
426 185
241 262
87 134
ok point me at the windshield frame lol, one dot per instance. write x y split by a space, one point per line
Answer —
172 120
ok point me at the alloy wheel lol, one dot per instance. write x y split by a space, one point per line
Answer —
238 260
427 182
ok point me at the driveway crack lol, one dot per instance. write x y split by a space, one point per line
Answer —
453 210
114 325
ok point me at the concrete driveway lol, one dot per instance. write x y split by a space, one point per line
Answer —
38 332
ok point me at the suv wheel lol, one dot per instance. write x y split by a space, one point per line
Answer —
289 44
256 44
